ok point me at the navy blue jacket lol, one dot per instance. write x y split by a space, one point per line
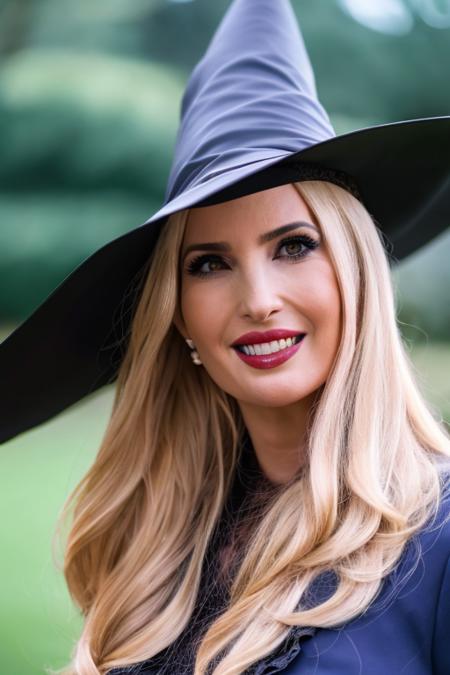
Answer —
405 630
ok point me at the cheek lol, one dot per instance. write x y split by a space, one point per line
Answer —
321 299
200 310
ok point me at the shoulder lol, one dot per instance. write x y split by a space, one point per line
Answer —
434 537
427 553
411 613
412 593
421 584
435 546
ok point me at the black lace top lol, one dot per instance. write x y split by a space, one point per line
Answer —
250 488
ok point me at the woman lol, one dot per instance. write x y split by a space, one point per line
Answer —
339 429
251 512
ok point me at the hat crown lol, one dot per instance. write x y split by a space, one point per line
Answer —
250 98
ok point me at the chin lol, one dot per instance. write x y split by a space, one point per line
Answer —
276 399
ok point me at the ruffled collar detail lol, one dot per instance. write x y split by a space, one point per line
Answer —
284 654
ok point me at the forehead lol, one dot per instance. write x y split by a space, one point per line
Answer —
256 212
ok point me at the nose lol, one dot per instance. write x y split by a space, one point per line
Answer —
259 294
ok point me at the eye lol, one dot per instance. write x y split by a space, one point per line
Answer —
298 243
196 264
302 245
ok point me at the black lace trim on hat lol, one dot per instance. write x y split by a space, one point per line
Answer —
314 172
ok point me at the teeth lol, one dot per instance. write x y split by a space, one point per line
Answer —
269 347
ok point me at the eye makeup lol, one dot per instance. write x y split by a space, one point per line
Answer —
307 243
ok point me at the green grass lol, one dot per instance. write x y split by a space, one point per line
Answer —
38 626
38 469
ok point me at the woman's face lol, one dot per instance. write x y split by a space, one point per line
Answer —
259 279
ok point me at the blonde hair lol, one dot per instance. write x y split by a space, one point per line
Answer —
145 511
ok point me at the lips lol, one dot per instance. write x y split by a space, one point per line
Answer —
272 360
257 337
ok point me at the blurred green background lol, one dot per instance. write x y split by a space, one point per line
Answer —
89 109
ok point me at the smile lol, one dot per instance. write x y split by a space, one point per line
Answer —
269 347
269 354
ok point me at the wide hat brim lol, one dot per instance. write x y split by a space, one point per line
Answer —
71 345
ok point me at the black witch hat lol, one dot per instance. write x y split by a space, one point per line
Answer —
250 120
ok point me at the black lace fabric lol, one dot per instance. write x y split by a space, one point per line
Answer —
306 171
250 489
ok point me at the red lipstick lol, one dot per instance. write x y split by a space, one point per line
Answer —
263 361
257 337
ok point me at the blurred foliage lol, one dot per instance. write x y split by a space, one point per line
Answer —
86 121
391 76
48 235
422 284
89 111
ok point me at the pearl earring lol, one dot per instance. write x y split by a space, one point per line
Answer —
194 354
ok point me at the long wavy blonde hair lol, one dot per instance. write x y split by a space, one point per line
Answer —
146 509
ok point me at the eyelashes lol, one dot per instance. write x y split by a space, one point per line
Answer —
308 244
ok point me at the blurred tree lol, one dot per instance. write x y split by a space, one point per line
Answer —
423 282
86 121
15 22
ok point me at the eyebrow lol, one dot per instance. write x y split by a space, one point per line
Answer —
262 239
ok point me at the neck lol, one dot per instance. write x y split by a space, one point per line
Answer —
279 437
